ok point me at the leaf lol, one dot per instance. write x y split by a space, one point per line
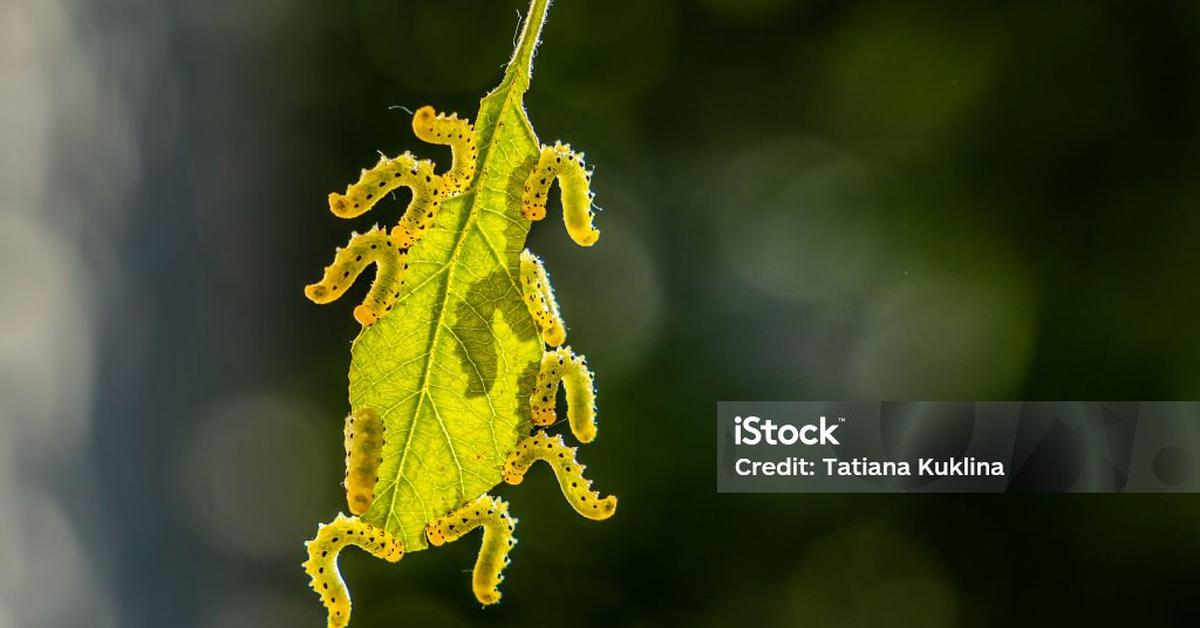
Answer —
451 367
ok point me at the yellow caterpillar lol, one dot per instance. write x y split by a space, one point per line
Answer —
560 162
459 135
364 441
373 247
492 515
323 551
562 365
576 488
539 298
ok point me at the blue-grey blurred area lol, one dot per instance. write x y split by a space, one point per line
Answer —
808 199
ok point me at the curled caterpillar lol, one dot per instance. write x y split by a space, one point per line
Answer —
492 515
459 135
323 551
560 162
576 488
387 175
562 365
373 247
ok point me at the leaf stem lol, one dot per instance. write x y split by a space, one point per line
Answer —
520 67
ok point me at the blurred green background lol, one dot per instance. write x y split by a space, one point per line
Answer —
811 199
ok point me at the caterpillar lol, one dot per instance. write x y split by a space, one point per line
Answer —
373 247
562 365
459 135
364 441
576 488
539 296
323 551
560 162
492 515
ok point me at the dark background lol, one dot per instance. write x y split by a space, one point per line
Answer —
802 200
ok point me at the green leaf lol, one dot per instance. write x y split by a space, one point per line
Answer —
450 369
